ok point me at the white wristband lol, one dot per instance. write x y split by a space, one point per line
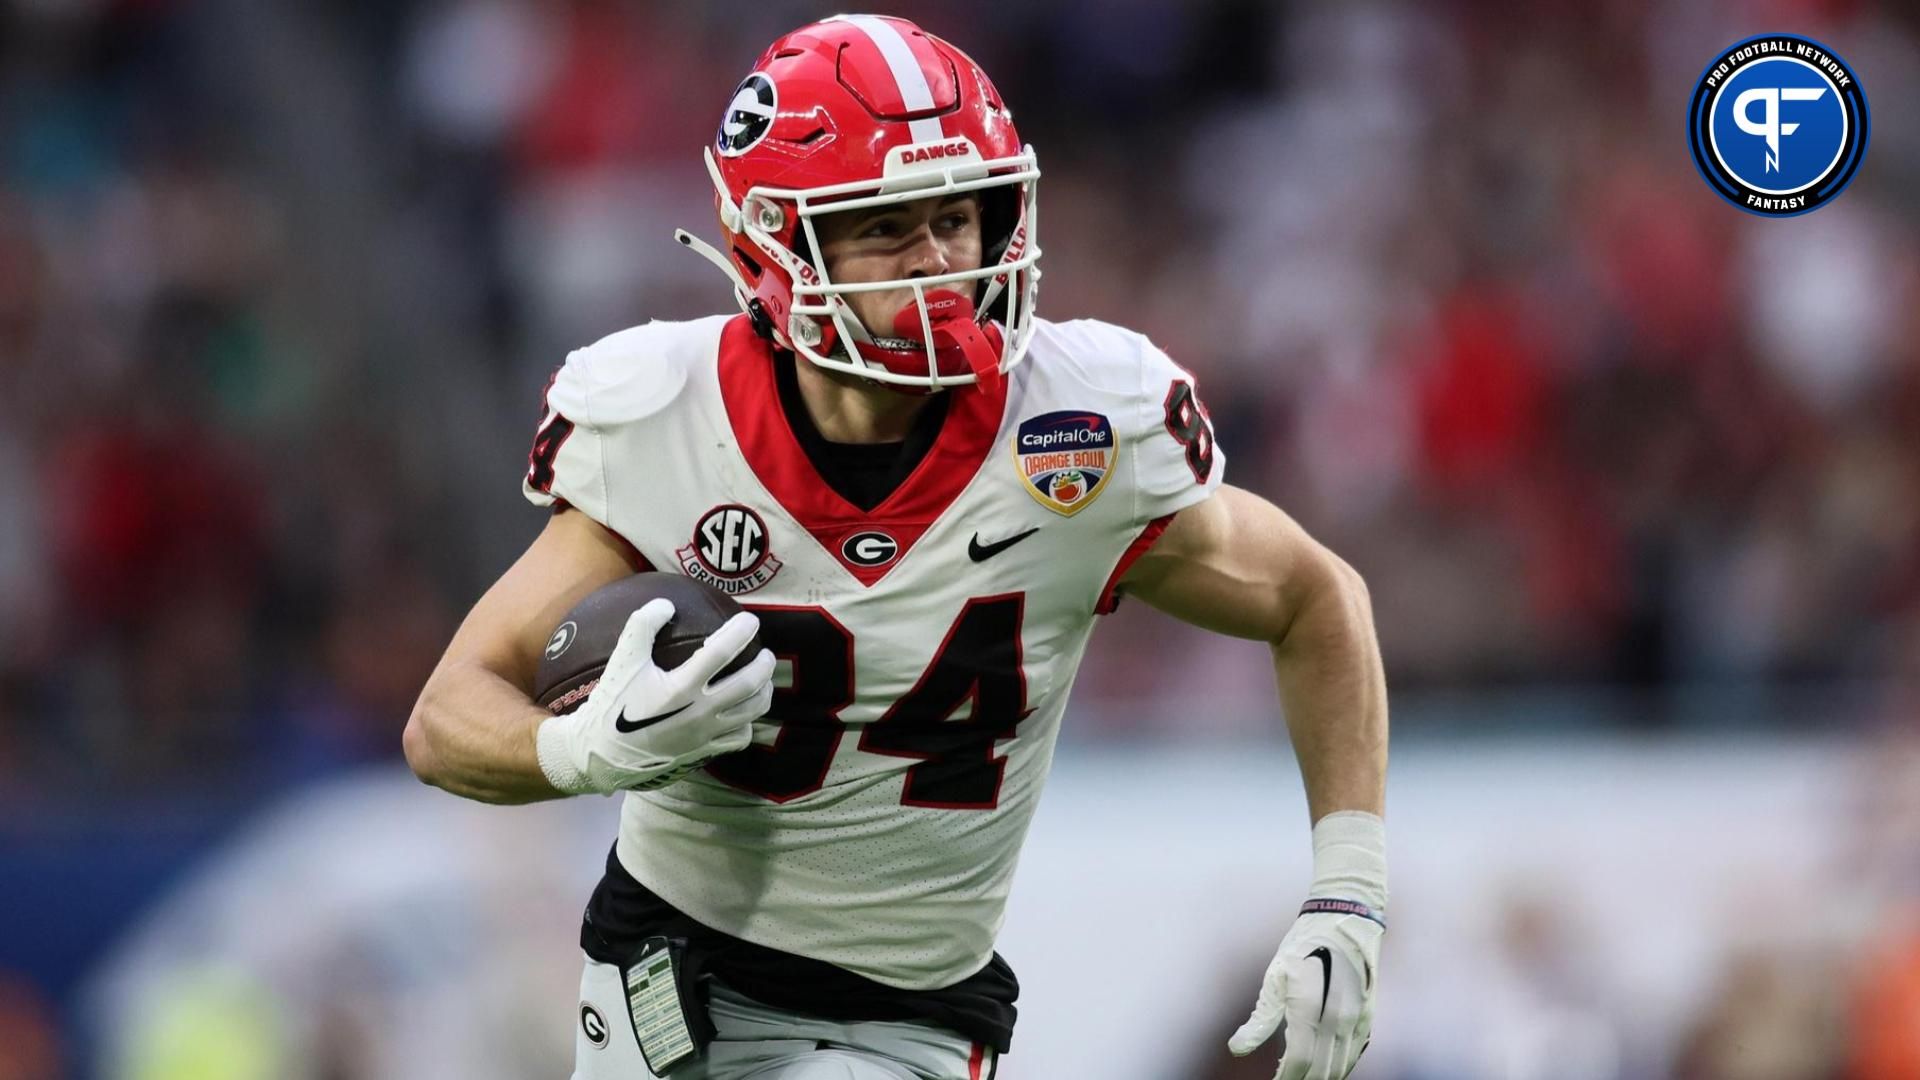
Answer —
556 758
1350 858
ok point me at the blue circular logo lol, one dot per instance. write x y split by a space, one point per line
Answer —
1778 125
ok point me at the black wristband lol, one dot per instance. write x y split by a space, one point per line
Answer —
1330 906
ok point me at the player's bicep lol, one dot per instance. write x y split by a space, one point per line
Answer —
1234 564
508 627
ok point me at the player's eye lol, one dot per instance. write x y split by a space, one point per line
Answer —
881 228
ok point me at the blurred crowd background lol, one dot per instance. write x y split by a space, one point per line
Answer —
280 283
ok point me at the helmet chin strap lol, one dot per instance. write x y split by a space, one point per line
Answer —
708 252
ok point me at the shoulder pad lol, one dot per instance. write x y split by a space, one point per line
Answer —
1099 354
633 373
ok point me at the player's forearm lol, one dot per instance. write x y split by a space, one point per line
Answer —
472 734
1334 692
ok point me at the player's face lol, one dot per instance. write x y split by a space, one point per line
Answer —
909 240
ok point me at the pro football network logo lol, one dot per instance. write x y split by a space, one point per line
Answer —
1065 458
1778 125
729 551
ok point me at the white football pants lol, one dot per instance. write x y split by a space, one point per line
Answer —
760 1043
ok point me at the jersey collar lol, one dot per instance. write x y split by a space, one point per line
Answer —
750 393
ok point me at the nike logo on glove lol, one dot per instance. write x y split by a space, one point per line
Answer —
625 726
1326 975
979 552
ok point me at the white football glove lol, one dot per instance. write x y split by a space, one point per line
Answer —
642 727
1319 989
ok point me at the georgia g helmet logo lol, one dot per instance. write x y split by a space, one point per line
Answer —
749 116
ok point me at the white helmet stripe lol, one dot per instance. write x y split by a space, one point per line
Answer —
912 82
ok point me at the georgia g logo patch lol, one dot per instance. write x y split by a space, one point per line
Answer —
1778 125
593 1026
1065 458
870 548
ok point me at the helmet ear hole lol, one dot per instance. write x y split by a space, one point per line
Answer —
748 262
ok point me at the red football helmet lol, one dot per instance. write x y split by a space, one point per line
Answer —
859 111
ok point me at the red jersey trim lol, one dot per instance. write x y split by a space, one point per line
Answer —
1109 596
774 453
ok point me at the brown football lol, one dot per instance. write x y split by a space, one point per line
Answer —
581 645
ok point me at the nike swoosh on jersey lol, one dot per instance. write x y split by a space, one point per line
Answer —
624 725
979 552
1326 975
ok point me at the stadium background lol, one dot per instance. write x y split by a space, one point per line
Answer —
1634 478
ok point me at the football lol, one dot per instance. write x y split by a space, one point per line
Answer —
581 645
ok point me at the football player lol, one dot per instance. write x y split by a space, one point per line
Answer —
923 495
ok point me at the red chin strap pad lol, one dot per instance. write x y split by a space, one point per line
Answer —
955 328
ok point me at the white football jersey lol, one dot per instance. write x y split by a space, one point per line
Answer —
926 646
